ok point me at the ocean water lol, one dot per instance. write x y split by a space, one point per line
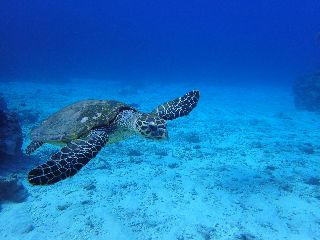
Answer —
244 164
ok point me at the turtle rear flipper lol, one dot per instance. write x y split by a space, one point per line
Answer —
34 145
178 107
70 159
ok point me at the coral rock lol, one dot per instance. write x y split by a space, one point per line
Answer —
11 190
10 134
307 93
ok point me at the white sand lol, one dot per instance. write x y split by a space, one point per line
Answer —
234 168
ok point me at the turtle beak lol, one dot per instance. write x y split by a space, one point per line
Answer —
160 134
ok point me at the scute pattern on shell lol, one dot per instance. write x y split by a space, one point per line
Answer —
68 123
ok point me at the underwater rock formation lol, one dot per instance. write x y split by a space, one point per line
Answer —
306 92
11 190
10 134
28 117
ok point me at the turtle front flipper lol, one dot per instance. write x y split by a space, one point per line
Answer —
178 107
70 159
34 145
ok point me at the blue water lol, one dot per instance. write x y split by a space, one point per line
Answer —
185 40
244 164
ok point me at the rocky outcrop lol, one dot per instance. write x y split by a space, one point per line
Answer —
306 92
10 134
11 190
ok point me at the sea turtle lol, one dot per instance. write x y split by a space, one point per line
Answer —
85 127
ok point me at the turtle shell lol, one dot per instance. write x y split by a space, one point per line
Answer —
77 120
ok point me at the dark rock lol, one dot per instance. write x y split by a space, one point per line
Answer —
134 153
3 104
90 186
270 168
11 190
206 232
173 165
307 148
3 117
63 207
10 134
245 236
312 181
256 144
306 92
193 138
161 152
86 202
286 187
135 160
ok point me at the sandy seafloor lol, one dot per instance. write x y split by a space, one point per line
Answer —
243 165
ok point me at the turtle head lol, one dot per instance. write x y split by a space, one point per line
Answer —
152 126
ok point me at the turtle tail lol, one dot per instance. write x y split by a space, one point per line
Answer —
34 145
178 107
